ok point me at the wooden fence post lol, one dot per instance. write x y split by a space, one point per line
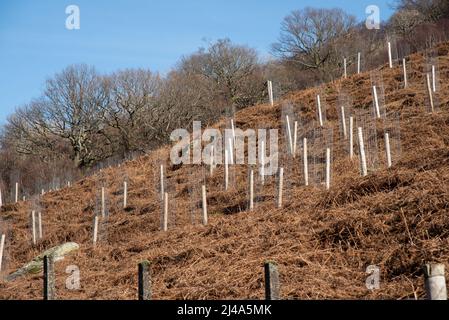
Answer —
2 248
272 290
435 282
204 196
362 155
226 170
144 280
270 92
1 198
162 182
434 79
345 72
17 192
103 203
343 122
280 186
49 278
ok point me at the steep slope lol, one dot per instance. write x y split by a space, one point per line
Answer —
322 240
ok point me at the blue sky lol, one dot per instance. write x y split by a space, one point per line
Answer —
118 34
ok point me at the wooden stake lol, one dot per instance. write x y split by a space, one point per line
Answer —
320 115
390 56
42 192
17 192
162 182
39 224
359 56
289 134
387 149
295 138
434 79
95 230
262 162
144 280
270 92
272 288
33 223
429 91
49 278
328 168
280 186
231 153
404 67
306 163
363 167
345 73
1 198
165 224
435 282
125 194
351 137
103 203
251 190
343 121
2 248
376 102
203 189
211 165
226 170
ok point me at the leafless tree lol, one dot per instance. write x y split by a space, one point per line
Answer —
307 36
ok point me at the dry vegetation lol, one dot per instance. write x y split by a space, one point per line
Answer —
322 240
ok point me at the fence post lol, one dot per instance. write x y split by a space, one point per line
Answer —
343 122
434 80
211 165
2 248
162 182
262 162
203 189
435 282
363 167
345 73
144 280
125 194
306 163
1 198
289 134
272 290
280 186
49 278
17 192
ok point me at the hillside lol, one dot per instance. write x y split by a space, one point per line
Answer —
322 240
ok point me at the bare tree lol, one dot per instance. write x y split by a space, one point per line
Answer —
307 36
431 10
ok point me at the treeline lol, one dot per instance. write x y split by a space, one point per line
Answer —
83 118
